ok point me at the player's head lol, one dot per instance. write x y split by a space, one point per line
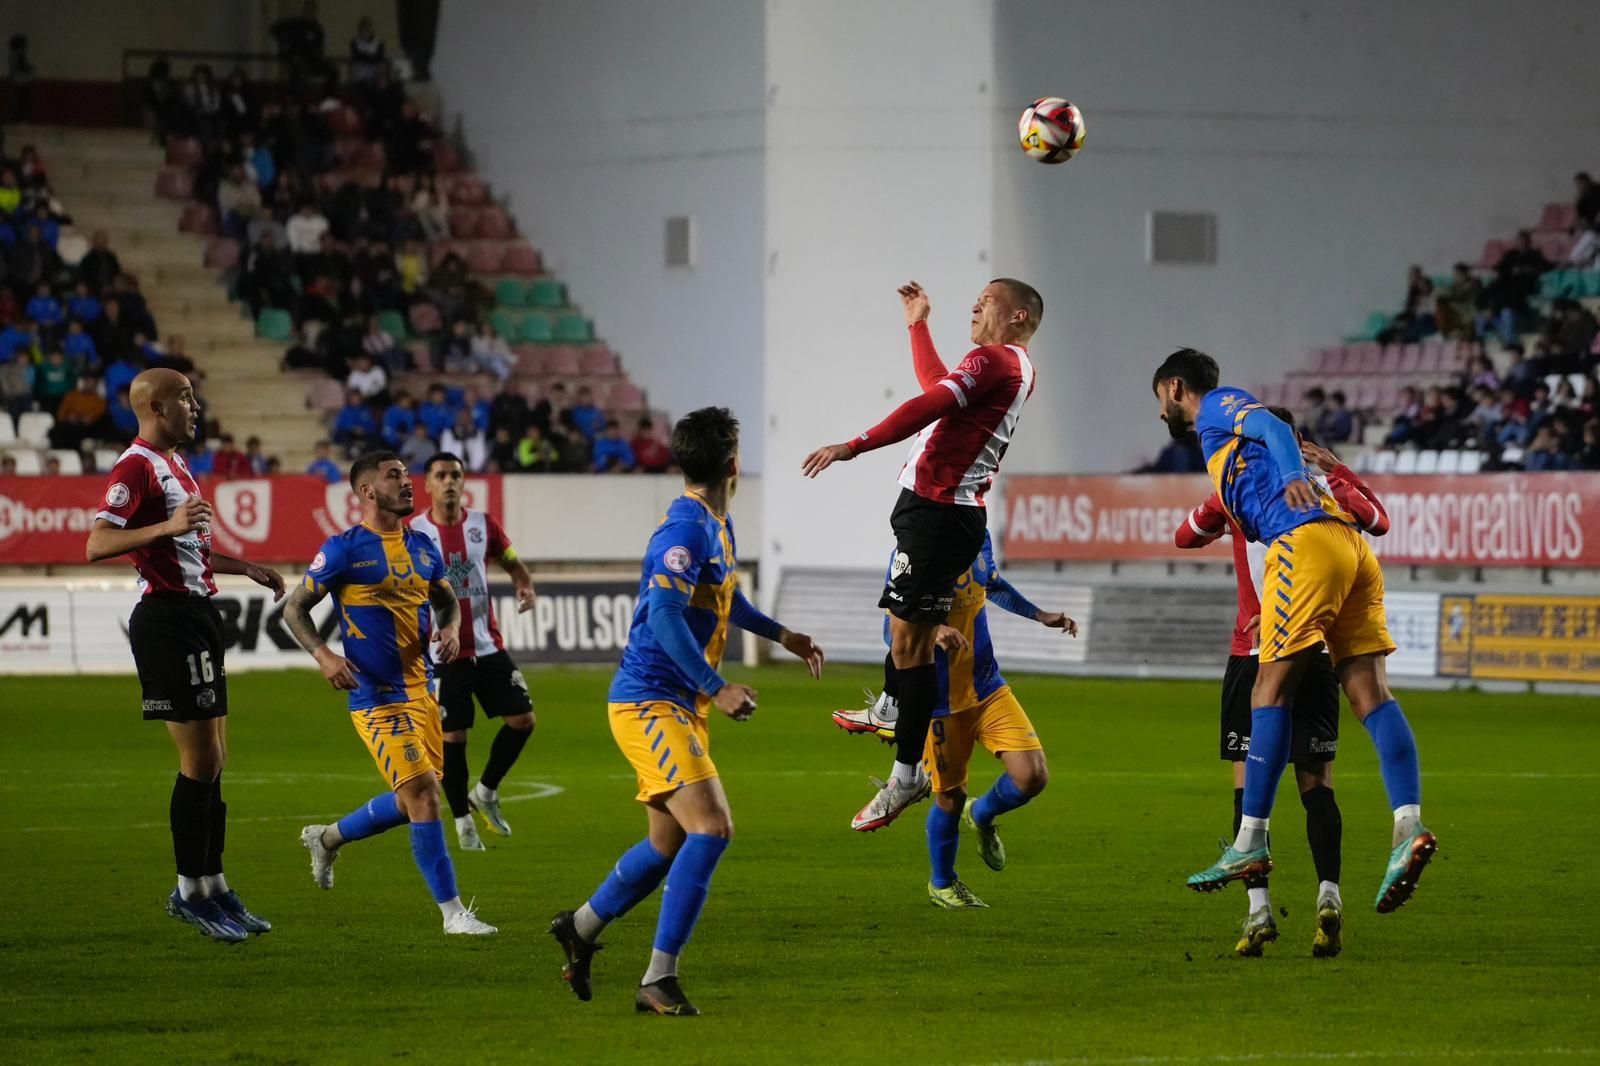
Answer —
1007 312
705 444
1180 383
165 402
443 474
382 484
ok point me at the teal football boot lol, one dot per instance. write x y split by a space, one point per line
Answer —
1233 866
1406 863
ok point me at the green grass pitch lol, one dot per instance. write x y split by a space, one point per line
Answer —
818 944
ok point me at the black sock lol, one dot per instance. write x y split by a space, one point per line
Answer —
455 777
508 744
1324 831
1238 811
919 691
190 818
891 678
219 829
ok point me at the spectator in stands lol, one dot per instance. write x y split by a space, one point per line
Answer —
465 439
573 449
79 347
8 466
1516 281
17 338
416 448
83 306
503 451
429 209
1589 457
16 385
1455 308
1585 253
585 416
80 415
367 378
20 73
477 405
1454 426
399 419
1487 413
268 276
612 455
53 379
1407 416
47 313
1481 373
455 354
202 102
1545 453
238 203
1586 200
10 191
412 265
366 53
380 345
255 456
240 113
1576 329
228 461
354 428
509 410
1589 400
125 293
31 260
52 466
1419 294
305 231
99 266
1565 398
649 451
437 412
124 421
163 100
535 454
410 142
301 42
1176 457
490 353
1316 405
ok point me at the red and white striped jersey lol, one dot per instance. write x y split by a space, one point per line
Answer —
146 487
466 549
955 459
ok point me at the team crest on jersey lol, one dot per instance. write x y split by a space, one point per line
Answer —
412 753
117 495
205 699
422 557
319 562
695 749
676 559
475 535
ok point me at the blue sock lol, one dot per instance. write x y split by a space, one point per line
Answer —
377 815
1003 796
1397 754
1270 732
635 876
944 828
688 884
433 859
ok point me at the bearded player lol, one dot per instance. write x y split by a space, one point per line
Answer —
1320 585
1314 709
466 539
976 706
964 421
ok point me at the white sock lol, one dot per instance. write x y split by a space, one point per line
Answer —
1258 898
1252 834
1328 892
331 838
463 823
661 965
1406 820
451 907
886 707
216 885
588 923
490 794
191 887
903 772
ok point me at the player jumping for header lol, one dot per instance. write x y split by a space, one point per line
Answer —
1320 584
964 421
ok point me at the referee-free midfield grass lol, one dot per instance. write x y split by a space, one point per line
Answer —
818 944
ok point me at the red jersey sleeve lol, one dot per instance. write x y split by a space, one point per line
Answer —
982 370
1204 525
925 357
126 489
1352 494
499 543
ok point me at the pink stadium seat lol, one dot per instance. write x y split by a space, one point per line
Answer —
1492 251
444 248
1371 358
184 152
197 218
173 184
446 159
325 394
485 257
520 259
1409 355
222 253
1366 396
424 318
345 121
1449 355
1555 246
626 396
1390 361
600 362
1349 360
1326 359
464 222
1558 218
1388 392
467 191
1429 357
494 222
562 362
530 360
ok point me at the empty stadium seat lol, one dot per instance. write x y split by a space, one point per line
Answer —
71 461
1471 462
1555 246
222 253
184 152
394 324
1377 321
509 292
33 428
344 121
530 360
1327 360
1558 217
421 353
536 329
325 394
532 391
1406 462
1428 462
600 362
1428 358
1492 251
1384 462
446 157
106 458
520 259
468 191
1449 462
275 324
573 329
562 362
8 430
1410 355
464 222
1389 361
494 222
1371 358
1511 455
1365 397
485 257
626 396
28 463
505 323
547 292
174 184
197 218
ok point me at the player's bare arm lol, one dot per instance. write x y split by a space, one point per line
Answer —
336 669
950 639
1318 456
1057 620
106 541
521 580
447 620
915 302
802 647
264 576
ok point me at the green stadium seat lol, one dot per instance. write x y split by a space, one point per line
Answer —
505 323
536 329
1377 322
573 329
547 292
394 324
1555 283
508 292
1590 280
275 324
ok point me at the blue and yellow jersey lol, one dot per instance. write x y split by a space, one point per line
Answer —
1251 457
971 675
379 582
692 552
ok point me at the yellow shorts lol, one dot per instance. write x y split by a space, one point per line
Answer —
405 739
668 745
1321 582
998 723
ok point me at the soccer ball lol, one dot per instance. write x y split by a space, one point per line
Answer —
1051 130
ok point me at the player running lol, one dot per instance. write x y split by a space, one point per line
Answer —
384 578
975 705
660 700
963 421
1320 584
1314 733
152 511
466 540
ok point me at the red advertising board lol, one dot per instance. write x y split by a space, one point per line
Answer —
284 519
1447 520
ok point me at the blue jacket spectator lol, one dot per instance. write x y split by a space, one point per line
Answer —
15 338
45 309
438 414
265 166
612 454
203 461
323 465
398 419
354 424
122 415
79 346
83 306
584 416
120 374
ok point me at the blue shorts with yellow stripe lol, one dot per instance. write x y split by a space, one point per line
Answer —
668 745
1322 584
405 739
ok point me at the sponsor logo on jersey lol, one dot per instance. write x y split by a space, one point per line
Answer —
901 565
117 495
359 564
1319 746
157 705
676 559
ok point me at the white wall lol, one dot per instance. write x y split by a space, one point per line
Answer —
1338 143
597 119
879 170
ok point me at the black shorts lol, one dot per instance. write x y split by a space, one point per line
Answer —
177 649
934 544
493 679
1314 711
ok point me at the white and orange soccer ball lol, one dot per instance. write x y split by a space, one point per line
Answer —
1051 130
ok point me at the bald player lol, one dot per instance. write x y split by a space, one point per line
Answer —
152 512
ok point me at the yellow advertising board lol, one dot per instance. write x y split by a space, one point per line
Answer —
1520 638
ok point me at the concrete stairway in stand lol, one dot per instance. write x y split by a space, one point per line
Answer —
105 178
